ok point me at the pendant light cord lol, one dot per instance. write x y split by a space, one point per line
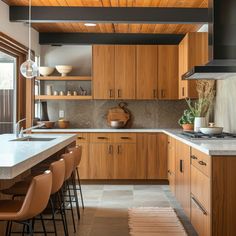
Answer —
29 55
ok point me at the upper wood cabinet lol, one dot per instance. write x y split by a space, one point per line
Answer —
125 71
168 72
193 51
103 72
146 80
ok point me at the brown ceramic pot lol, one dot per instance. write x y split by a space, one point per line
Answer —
187 127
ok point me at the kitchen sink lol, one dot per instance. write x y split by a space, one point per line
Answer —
32 139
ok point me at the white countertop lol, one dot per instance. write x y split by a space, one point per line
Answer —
19 156
213 147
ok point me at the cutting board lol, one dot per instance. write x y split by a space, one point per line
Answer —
118 113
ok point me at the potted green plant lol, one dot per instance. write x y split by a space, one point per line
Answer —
187 120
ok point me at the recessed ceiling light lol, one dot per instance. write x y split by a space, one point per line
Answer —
90 24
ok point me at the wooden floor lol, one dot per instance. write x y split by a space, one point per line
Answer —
106 208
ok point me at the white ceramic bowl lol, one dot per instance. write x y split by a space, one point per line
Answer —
212 130
64 69
45 70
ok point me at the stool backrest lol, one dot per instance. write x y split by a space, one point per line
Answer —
69 164
58 174
37 196
77 153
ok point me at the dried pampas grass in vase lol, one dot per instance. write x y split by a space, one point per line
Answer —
201 107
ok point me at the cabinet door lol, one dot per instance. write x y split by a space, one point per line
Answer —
157 156
103 72
171 163
146 82
182 177
168 72
125 161
183 67
125 71
101 161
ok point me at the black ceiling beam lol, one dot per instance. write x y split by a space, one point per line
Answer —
108 38
146 15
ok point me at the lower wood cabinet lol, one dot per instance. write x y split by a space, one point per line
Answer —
182 176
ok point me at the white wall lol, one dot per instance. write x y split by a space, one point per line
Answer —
17 31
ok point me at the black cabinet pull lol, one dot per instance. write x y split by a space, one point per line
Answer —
183 91
198 205
110 149
125 137
202 163
181 166
193 157
81 138
102 137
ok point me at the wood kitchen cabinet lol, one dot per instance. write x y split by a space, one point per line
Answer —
83 140
182 176
168 72
125 71
146 79
103 72
193 51
171 163
114 71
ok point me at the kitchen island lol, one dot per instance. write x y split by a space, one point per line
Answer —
20 155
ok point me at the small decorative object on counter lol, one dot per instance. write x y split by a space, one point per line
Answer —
75 93
83 92
211 129
63 124
55 93
118 117
49 90
47 124
201 107
61 93
69 93
187 120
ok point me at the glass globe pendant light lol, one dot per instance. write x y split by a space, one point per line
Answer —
29 68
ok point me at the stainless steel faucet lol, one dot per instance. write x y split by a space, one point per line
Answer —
17 128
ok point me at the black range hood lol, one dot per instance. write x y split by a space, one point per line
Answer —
222 43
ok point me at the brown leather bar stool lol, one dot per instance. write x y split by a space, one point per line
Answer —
36 200
58 175
78 154
69 165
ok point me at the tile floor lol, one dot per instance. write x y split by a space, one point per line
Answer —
106 209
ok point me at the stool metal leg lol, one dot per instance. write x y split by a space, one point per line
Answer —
75 194
80 189
43 225
53 215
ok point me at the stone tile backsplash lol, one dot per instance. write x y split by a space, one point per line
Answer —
92 114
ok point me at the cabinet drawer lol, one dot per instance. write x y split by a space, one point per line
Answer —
200 187
82 138
101 137
125 137
200 219
201 161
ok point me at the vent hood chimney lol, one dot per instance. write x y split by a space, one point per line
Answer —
222 43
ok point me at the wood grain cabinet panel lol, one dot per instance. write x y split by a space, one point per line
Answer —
125 71
193 51
182 176
171 163
103 71
146 80
101 163
168 63
125 161
157 156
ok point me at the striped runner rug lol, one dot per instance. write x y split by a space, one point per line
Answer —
155 221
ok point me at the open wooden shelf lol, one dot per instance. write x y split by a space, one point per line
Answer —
65 78
65 97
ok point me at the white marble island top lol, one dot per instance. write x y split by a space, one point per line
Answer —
212 147
19 156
